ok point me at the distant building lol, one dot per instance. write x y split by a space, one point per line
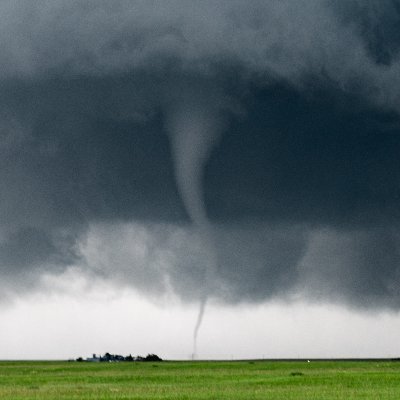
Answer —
117 358
94 358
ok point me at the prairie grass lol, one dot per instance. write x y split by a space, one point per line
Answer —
201 380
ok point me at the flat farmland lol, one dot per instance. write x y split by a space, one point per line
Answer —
203 380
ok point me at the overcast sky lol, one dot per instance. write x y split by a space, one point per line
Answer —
200 167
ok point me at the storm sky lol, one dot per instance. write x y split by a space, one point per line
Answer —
243 151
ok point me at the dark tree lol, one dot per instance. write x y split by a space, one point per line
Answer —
152 357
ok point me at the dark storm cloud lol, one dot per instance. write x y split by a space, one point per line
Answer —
293 108
377 23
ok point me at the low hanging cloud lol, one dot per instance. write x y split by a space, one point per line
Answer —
130 130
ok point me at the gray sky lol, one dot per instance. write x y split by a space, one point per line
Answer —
240 152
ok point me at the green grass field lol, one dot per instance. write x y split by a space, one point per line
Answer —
201 380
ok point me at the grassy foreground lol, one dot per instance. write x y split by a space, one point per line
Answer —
201 380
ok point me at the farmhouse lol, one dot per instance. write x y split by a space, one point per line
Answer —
94 358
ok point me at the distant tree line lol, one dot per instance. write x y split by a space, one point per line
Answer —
107 357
